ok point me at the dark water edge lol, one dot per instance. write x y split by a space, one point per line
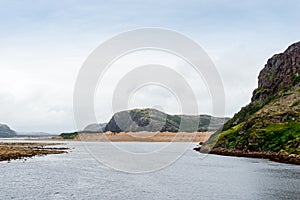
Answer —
77 175
277 157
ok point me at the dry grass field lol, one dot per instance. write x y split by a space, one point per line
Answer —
145 137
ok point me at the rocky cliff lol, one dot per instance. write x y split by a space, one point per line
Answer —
279 74
271 122
5 131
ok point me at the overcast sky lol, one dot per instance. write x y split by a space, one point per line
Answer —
43 45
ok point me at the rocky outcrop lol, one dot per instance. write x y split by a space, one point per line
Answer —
280 73
141 120
271 122
5 131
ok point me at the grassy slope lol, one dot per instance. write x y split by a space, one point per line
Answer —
275 127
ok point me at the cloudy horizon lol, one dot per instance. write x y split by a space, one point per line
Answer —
45 43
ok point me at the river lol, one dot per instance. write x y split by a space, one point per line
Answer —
78 175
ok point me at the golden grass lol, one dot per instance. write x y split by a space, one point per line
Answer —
145 137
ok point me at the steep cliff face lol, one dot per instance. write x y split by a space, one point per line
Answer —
5 131
280 73
271 122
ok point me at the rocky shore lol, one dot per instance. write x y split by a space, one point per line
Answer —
278 157
20 150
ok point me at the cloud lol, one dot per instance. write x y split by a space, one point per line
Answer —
43 45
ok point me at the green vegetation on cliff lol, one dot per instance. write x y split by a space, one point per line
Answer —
271 122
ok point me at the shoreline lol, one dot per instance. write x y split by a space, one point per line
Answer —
140 137
273 156
22 150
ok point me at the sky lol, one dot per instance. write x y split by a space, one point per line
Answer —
43 45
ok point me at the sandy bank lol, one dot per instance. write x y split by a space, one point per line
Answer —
144 137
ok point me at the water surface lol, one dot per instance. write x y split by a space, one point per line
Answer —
77 175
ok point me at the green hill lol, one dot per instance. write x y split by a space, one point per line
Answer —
155 120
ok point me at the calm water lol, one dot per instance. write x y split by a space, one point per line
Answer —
78 175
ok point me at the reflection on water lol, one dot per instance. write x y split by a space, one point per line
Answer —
77 175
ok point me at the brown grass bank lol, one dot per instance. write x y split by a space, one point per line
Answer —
145 137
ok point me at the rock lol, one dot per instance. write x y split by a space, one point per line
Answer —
280 73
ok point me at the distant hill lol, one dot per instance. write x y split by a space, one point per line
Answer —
154 120
95 127
34 134
5 131
271 122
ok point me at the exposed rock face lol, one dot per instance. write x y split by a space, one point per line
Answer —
154 120
5 131
95 127
271 122
141 120
280 73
